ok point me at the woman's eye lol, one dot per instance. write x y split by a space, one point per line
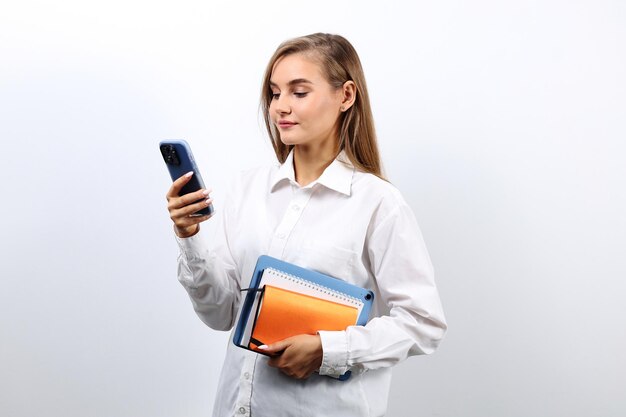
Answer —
275 96
300 95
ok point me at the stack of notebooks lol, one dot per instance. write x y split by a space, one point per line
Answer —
286 300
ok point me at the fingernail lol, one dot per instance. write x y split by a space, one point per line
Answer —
205 192
189 174
208 201
263 347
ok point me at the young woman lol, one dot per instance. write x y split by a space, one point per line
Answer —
326 207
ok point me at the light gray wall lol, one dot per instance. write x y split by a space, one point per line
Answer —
501 122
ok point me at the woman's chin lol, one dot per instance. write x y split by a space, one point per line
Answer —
289 141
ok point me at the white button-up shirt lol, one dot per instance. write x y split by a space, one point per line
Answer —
347 224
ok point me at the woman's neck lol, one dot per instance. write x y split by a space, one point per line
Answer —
310 162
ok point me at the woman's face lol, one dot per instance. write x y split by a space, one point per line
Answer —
305 108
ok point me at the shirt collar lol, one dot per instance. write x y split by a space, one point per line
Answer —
337 176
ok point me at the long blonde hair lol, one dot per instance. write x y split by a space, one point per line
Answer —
339 63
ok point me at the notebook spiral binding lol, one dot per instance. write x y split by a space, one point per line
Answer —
305 282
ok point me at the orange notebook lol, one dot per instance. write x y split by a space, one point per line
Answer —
283 313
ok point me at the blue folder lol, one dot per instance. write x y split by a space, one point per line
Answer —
337 285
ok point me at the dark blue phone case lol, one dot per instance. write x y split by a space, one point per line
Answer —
179 160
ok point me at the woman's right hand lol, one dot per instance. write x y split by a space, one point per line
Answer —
182 207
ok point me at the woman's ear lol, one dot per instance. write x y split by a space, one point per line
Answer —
349 95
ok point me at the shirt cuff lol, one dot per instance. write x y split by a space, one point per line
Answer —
193 247
335 353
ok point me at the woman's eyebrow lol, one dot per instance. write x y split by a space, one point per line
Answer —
293 82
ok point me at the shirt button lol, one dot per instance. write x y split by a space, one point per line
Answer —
242 410
246 375
280 235
295 207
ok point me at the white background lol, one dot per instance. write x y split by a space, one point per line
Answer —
503 124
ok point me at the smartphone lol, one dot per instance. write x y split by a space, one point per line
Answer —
179 160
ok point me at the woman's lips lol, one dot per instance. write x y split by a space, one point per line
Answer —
284 124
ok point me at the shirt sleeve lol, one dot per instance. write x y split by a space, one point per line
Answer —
415 324
210 276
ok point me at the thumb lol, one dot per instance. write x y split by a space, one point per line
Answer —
276 347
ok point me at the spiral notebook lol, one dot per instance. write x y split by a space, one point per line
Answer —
286 300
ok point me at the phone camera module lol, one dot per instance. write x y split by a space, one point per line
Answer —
170 155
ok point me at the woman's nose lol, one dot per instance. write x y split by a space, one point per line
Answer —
282 105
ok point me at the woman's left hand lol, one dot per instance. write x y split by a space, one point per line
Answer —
297 356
